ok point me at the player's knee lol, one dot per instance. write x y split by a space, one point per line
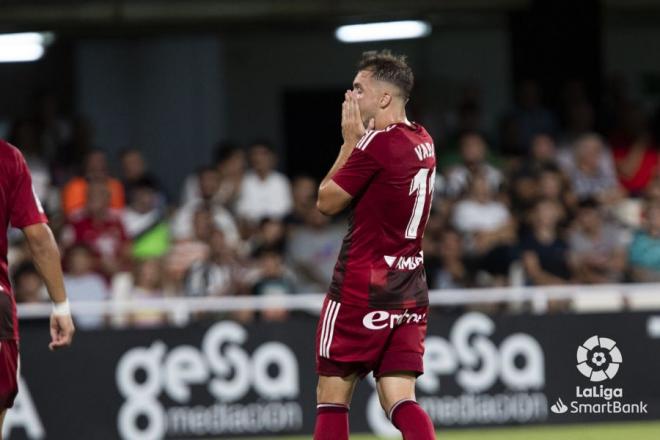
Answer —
329 394
334 390
395 388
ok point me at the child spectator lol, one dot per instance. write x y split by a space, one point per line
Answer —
83 284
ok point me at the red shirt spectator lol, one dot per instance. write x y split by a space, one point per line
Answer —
636 164
101 230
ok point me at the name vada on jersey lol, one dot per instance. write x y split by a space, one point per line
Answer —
381 319
425 150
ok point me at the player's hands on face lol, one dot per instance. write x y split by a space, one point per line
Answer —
61 331
352 127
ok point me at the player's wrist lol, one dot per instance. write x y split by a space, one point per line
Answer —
61 308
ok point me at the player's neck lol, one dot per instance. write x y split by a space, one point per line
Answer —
386 119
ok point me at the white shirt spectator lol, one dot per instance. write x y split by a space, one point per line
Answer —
260 198
86 287
182 223
458 179
472 216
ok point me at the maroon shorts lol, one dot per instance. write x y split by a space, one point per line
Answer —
358 340
8 372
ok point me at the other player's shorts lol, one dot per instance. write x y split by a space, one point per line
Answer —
8 372
352 339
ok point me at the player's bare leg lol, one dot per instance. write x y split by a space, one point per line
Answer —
396 392
2 419
333 397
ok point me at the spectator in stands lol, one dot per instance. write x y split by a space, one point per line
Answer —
147 284
134 171
303 192
526 178
75 192
530 115
83 284
580 119
271 234
597 249
66 164
312 249
552 184
589 175
28 285
24 134
653 190
185 252
635 152
219 275
523 192
487 227
264 191
182 223
229 160
101 229
544 252
451 270
644 251
273 280
145 221
465 117
542 153
54 128
473 155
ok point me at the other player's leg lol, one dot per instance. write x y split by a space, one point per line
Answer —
8 377
333 397
2 419
396 392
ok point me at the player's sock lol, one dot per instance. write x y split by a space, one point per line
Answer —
412 420
331 422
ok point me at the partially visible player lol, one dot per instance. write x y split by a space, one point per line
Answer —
20 207
374 317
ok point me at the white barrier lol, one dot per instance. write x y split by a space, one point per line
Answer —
646 295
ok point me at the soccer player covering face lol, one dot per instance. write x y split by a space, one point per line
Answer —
20 207
375 314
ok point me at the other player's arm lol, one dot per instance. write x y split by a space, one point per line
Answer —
332 198
46 257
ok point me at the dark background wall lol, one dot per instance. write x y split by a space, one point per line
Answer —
174 90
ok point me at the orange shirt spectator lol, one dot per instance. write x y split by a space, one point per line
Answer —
74 194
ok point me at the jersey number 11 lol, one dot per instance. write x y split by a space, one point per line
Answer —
421 186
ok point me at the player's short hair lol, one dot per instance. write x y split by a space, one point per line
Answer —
389 67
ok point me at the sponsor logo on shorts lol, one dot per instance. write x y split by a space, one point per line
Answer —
381 319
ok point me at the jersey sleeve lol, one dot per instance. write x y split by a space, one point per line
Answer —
25 207
356 172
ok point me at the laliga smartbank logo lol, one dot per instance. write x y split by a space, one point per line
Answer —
598 360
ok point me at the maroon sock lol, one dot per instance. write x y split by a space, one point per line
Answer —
412 421
331 422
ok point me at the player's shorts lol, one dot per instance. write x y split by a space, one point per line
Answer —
8 372
352 339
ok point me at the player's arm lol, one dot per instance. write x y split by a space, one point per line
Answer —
332 198
46 257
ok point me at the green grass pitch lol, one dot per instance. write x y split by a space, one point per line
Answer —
604 431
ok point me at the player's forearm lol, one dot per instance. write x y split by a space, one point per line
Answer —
46 257
344 154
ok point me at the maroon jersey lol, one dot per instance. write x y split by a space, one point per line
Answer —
390 174
20 207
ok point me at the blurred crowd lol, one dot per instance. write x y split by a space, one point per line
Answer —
561 196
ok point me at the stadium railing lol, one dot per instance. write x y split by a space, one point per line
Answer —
583 298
